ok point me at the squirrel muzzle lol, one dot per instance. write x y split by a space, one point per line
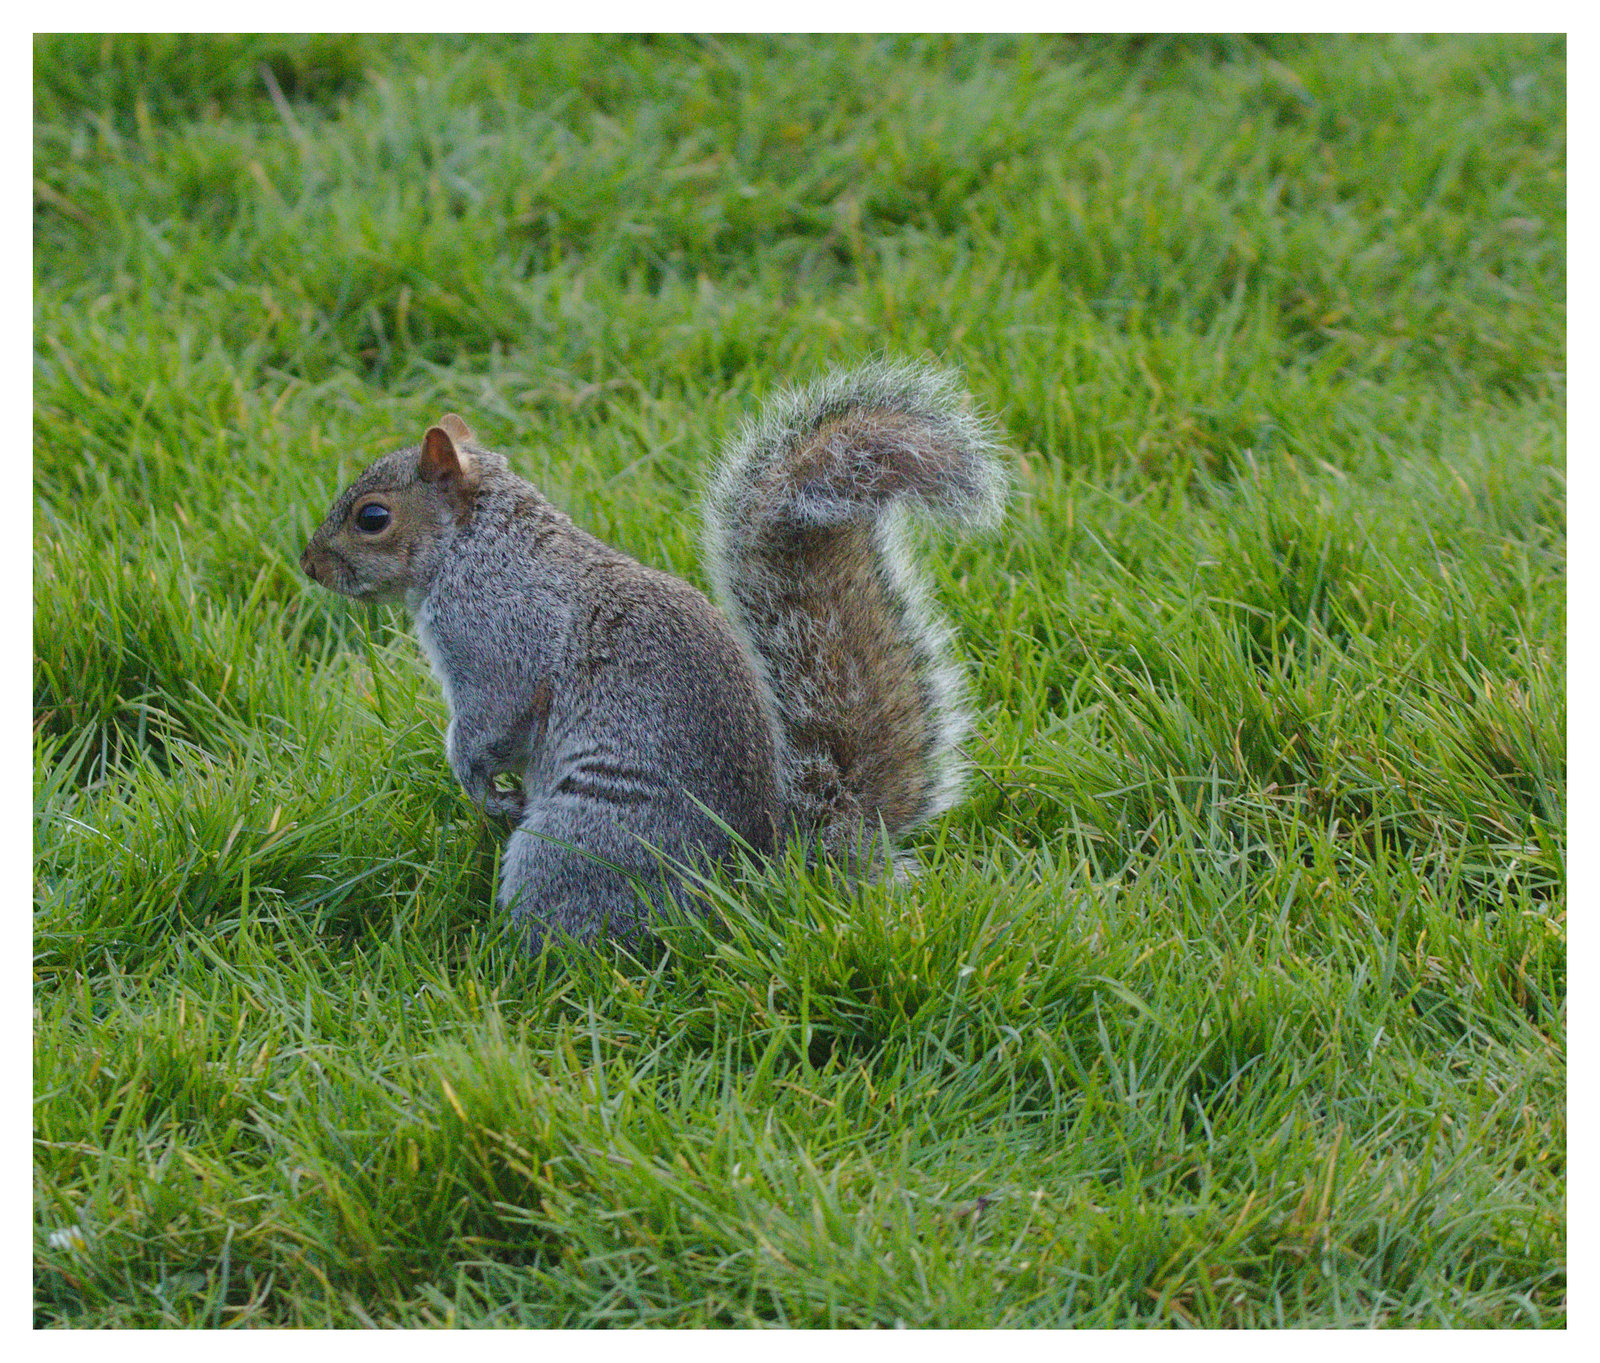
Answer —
310 565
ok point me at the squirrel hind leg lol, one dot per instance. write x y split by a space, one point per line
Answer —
552 885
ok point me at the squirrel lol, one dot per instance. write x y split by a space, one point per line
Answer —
649 729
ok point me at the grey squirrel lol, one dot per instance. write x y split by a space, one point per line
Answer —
648 728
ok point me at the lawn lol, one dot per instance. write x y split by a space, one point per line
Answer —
1234 994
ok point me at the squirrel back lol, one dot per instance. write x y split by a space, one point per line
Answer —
807 542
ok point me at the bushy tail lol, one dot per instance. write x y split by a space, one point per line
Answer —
806 541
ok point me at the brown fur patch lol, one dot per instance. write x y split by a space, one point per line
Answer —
876 736
539 712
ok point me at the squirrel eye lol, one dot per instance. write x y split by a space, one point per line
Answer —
372 518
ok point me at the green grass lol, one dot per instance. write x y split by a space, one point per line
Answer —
1235 994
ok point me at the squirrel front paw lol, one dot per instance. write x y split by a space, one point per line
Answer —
504 804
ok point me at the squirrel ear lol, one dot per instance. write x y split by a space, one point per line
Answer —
441 462
456 428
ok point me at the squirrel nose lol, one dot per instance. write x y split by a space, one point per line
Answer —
306 566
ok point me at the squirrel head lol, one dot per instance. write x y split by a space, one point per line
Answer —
381 535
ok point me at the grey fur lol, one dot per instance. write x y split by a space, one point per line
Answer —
639 719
